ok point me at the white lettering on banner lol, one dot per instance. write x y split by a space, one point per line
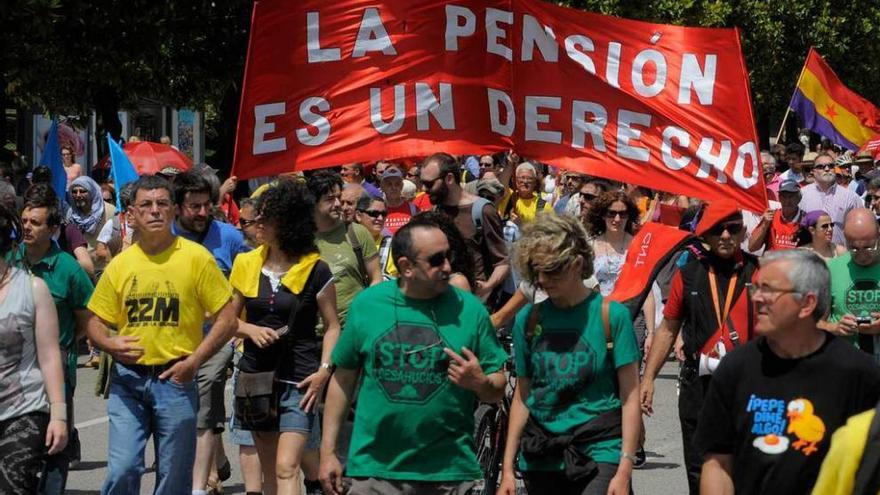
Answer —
495 33
746 150
708 161
534 34
399 110
372 36
627 133
262 127
695 79
643 249
313 41
310 117
575 42
533 117
683 139
638 76
495 97
612 66
442 110
454 30
595 126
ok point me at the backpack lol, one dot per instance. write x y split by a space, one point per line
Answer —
477 217
358 249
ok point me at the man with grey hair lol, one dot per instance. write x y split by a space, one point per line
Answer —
774 403
524 204
855 284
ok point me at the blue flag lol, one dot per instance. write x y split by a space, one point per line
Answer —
122 169
52 158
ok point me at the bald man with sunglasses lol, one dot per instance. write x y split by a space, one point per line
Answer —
427 352
709 303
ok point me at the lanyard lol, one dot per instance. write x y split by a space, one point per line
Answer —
728 298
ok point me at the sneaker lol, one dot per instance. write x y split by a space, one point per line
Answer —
641 458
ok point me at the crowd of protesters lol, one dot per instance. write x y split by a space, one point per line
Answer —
356 311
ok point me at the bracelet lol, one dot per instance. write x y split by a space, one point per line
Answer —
626 455
58 411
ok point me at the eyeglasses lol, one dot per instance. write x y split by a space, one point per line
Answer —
375 213
437 259
245 223
866 249
770 294
429 184
733 228
612 214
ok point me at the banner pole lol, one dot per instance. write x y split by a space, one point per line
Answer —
788 109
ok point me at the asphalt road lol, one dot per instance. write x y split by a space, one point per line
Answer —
663 474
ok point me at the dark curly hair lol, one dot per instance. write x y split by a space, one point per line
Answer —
322 182
600 206
462 260
290 206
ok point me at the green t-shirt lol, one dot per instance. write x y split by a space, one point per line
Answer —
855 289
71 289
572 379
411 422
337 252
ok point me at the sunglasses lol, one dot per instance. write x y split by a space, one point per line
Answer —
588 196
824 166
825 226
375 213
733 228
486 165
437 259
429 184
611 214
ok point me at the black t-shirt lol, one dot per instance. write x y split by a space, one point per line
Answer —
776 416
295 355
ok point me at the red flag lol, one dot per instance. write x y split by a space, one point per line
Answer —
652 248
665 107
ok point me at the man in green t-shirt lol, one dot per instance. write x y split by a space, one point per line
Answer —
348 249
428 351
71 288
855 284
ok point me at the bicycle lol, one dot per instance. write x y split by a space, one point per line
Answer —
490 433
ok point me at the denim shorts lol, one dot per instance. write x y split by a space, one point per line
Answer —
290 416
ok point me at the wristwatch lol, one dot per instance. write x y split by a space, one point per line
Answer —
626 455
328 366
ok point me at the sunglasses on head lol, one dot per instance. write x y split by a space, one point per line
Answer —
733 228
374 213
437 259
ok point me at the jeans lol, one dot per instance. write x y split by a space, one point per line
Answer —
141 405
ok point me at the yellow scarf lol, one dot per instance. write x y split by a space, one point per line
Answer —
245 276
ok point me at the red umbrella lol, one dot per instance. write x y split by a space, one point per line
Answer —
149 158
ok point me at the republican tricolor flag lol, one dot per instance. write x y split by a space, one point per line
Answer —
832 110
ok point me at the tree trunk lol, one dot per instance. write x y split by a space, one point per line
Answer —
228 124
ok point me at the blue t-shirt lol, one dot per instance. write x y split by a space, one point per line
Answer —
224 241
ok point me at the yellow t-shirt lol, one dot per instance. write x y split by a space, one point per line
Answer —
162 299
525 209
838 473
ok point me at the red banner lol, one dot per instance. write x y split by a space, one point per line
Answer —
665 107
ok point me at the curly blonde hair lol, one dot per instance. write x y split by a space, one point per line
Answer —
552 242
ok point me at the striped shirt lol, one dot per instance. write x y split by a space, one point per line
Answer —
836 201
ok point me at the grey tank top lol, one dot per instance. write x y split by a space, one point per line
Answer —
21 382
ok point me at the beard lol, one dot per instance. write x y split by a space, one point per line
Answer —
438 195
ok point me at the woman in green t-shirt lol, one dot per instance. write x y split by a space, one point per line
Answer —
577 373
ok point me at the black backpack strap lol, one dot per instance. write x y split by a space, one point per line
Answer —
868 474
359 253
541 204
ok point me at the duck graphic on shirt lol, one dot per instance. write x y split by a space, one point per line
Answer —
809 428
